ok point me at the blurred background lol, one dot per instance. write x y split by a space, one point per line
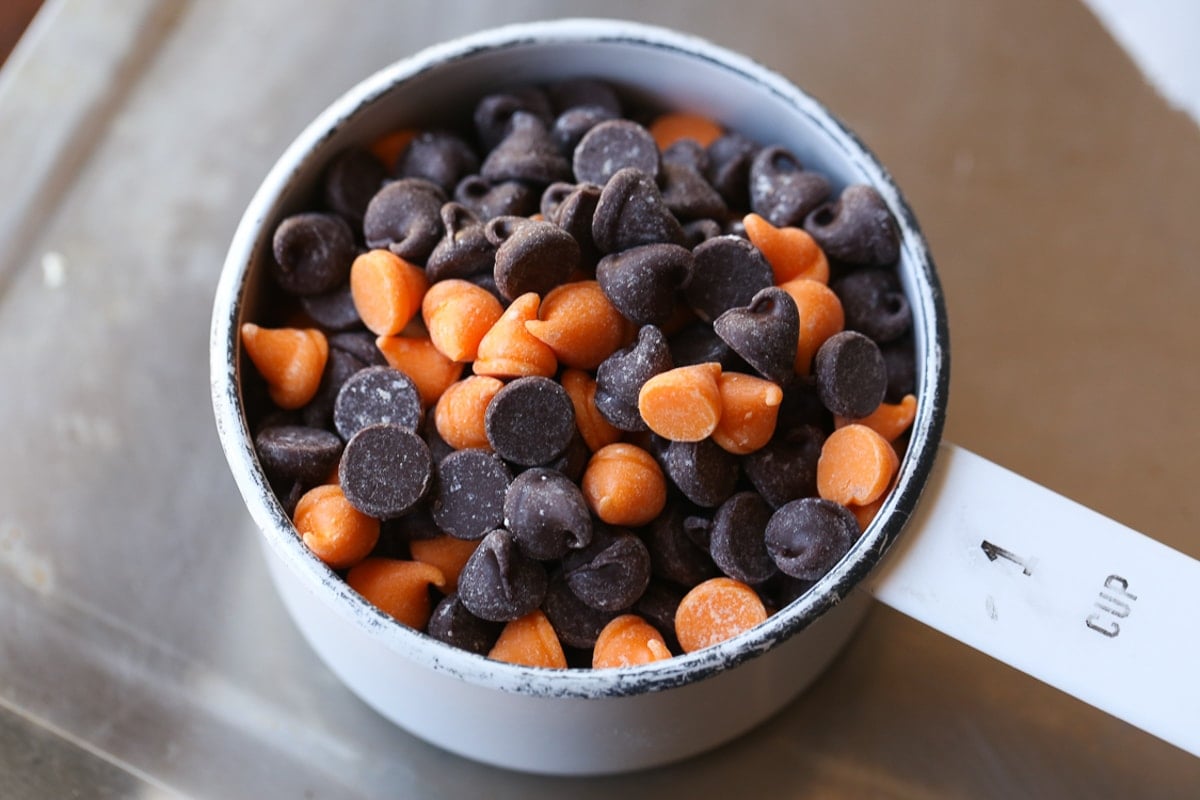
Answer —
142 651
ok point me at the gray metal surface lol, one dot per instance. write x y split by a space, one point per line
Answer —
142 651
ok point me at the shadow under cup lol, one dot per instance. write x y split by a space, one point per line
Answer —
569 721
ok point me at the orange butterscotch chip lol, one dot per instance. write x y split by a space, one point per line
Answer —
683 404
457 314
670 128
417 358
593 427
626 641
821 316
291 360
530 640
623 485
791 252
577 321
749 409
389 147
397 587
716 610
508 350
856 466
335 531
387 290
889 420
448 553
461 410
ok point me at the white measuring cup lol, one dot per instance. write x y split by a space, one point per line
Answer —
1004 565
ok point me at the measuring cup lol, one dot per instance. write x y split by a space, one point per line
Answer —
990 558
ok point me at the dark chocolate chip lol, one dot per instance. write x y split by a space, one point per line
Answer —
727 274
553 197
574 460
611 573
688 195
658 605
737 544
530 421
509 198
802 405
547 515
687 152
703 471
574 214
494 114
498 582
900 360
576 623
385 471
874 303
643 282
614 145
468 499
765 333
351 180
728 171
631 212
531 256
405 217
313 253
334 310
573 124
701 230
620 377
673 555
851 376
453 624
858 228
440 157
781 190
807 537
575 92
375 395
464 249
785 468
340 365
438 449
361 345
527 154
298 453
781 591
698 343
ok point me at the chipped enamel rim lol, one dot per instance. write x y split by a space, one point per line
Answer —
275 198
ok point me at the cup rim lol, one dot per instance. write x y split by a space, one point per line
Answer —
233 429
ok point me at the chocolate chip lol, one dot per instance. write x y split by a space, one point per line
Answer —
781 190
439 157
658 605
874 303
313 253
438 449
785 468
574 460
703 471
485 200
553 197
620 377
851 376
385 471
468 500
576 92
688 195
698 343
689 153
807 537
530 421
334 310
340 365
360 344
464 249
729 159
405 217
900 360
527 154
614 145
631 212
573 124
547 515
576 623
494 113
350 181
298 453
701 230
765 333
498 582
857 229
611 573
453 624
531 256
673 555
574 214
642 282
374 395
737 545
782 590
727 274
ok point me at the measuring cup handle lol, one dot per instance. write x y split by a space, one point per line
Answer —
1054 589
